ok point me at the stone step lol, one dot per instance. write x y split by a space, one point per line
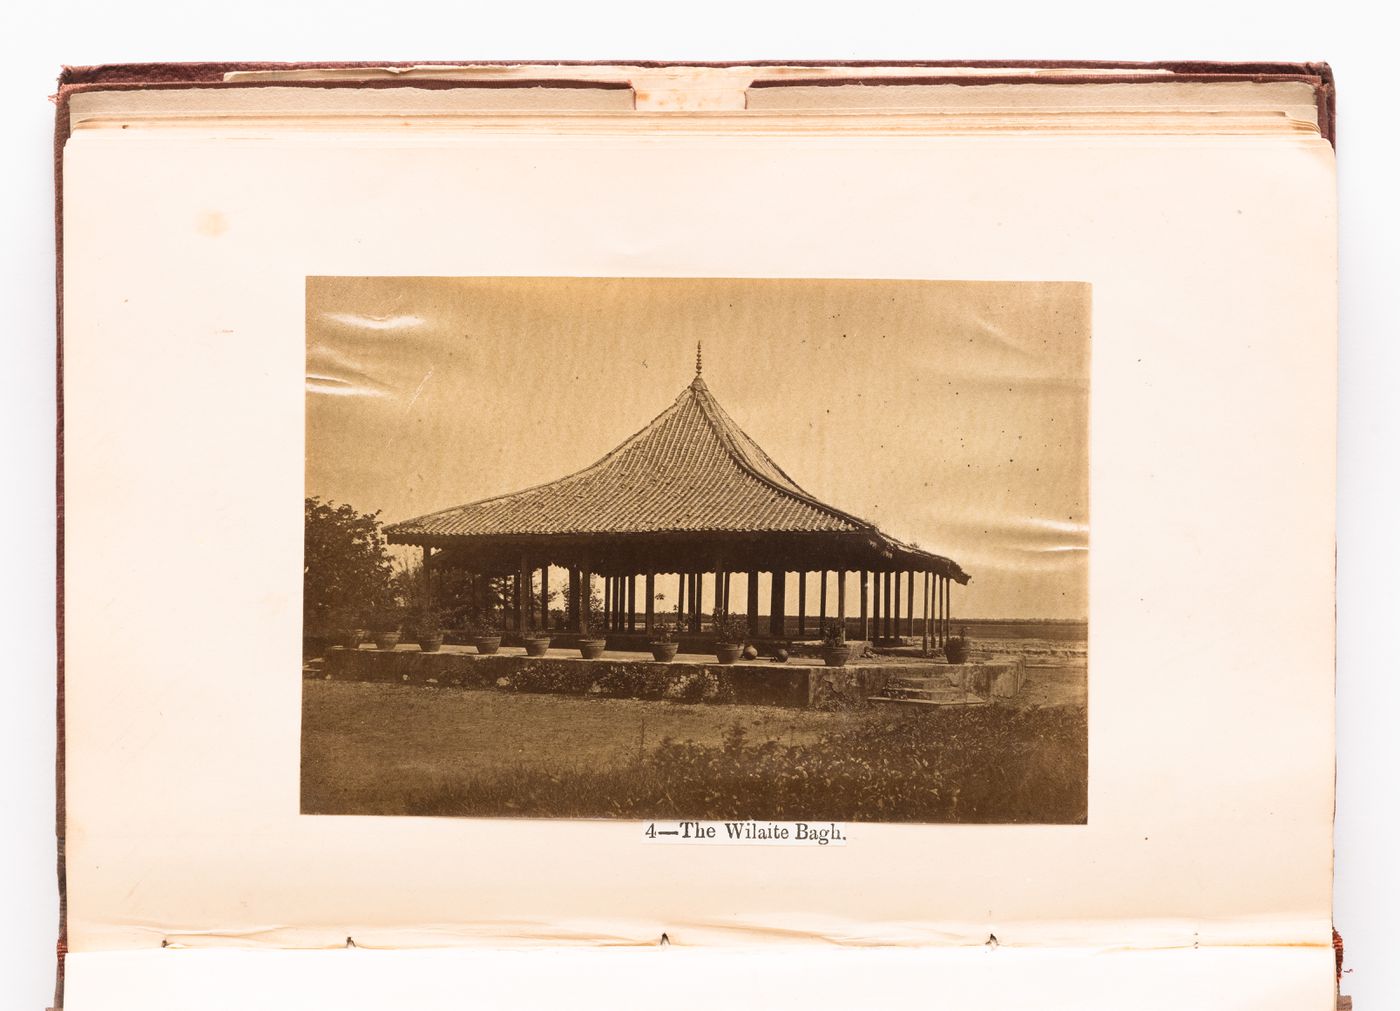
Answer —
960 699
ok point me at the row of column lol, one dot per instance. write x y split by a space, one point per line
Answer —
887 603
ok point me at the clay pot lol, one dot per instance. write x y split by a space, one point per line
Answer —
536 645
727 653
592 649
836 656
486 644
430 642
664 652
386 640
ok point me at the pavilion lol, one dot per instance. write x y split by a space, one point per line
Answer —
690 496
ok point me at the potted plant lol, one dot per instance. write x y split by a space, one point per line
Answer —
957 648
430 635
663 644
385 628
485 634
536 642
427 621
835 651
590 647
730 632
345 628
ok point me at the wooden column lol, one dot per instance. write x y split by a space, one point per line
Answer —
933 612
651 601
938 609
544 597
948 616
753 602
821 627
943 612
585 600
841 599
632 603
864 605
523 583
573 608
875 630
680 601
896 578
777 605
802 605
696 588
926 604
889 599
909 620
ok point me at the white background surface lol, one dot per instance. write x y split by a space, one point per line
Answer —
40 39
1232 827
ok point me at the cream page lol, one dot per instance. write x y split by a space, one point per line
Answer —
1212 264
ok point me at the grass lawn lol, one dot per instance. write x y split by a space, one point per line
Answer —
423 750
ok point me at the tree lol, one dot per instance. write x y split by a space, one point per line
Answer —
347 570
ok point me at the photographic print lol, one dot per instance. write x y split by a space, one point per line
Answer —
705 548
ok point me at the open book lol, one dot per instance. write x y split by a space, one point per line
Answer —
871 523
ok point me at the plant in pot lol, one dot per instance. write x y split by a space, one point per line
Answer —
385 628
957 648
835 651
428 621
536 642
590 644
663 644
730 632
485 633
345 628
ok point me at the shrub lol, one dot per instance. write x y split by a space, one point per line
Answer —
483 625
978 764
730 629
694 688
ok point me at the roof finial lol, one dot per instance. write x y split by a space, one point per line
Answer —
698 361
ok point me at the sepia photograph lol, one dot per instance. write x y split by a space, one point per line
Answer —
708 548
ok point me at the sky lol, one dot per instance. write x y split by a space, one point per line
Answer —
952 414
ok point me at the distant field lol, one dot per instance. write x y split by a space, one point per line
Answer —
1022 628
424 750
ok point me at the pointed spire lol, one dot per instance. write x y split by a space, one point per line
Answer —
698 360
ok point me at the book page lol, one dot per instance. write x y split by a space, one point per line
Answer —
1195 281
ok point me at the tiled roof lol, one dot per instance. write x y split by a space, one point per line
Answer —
691 470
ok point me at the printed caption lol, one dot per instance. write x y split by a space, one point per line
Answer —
746 833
